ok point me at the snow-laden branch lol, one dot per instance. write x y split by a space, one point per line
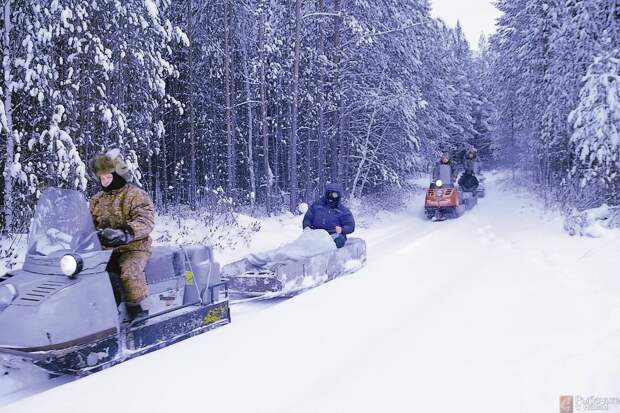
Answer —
372 35
321 14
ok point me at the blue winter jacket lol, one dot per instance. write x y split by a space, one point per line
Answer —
321 215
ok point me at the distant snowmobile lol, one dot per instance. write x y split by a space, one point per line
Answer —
469 184
60 312
442 198
445 201
290 270
469 162
442 202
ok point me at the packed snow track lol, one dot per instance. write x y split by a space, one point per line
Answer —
498 310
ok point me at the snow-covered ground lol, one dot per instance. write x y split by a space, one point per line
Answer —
499 310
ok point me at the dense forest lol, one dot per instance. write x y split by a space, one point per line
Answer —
257 101
554 78
261 102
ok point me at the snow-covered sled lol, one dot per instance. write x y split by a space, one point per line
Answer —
469 199
59 311
292 277
481 191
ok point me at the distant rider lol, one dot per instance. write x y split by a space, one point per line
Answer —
329 214
468 181
470 161
124 216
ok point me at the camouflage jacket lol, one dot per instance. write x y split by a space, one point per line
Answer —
128 208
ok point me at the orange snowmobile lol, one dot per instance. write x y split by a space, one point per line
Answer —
442 201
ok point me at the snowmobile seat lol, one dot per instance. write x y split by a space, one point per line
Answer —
205 273
165 277
165 263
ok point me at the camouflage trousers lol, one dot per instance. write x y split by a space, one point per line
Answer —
130 266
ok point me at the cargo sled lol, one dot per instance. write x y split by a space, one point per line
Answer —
469 199
60 312
481 192
291 278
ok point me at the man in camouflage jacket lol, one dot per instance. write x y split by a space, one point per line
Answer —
124 216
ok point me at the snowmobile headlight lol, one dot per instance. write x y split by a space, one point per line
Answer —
439 183
8 292
71 264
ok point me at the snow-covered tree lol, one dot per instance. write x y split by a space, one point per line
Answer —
540 53
260 101
596 125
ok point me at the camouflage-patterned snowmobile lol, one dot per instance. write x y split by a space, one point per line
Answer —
291 278
60 312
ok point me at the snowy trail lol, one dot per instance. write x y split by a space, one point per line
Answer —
496 311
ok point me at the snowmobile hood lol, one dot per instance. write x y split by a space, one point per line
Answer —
55 311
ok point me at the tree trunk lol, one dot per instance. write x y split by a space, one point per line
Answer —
337 148
276 159
163 172
8 114
230 138
268 174
293 184
309 175
321 102
248 96
192 129
360 165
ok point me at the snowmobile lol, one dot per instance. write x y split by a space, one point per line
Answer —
443 201
469 185
293 277
61 311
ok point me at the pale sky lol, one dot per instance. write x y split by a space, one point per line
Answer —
476 16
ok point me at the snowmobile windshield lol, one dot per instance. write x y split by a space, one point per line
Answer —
62 223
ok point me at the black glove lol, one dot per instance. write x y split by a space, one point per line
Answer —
111 237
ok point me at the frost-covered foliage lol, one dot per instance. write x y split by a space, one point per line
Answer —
592 222
554 64
222 228
383 203
266 99
596 124
12 251
82 76
270 106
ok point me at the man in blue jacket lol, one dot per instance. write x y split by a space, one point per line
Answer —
329 214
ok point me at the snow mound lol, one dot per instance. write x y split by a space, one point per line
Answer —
594 222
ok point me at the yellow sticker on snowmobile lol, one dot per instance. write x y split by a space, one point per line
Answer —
213 315
189 277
